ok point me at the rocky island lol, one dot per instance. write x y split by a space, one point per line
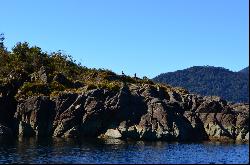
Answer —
49 95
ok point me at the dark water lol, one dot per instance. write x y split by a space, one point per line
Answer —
117 151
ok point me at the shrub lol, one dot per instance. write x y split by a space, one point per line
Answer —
30 89
112 86
91 86
56 86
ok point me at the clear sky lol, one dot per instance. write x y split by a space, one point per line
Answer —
147 37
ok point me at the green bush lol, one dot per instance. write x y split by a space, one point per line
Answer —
30 89
112 86
91 86
56 86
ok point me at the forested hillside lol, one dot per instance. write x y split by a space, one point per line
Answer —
208 80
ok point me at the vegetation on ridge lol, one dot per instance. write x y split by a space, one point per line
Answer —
34 72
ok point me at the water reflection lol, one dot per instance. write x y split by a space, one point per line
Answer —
60 150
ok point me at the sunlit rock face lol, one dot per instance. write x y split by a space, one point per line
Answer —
140 112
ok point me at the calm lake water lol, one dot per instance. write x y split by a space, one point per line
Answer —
118 151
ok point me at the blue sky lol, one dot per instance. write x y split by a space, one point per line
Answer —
147 37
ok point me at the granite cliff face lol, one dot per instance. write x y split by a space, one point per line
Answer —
140 112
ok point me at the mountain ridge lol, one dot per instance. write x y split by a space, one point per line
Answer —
209 80
245 70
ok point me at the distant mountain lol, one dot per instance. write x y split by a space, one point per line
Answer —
209 80
245 70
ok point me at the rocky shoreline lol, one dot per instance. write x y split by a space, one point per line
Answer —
135 111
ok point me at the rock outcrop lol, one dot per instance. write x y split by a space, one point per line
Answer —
144 112
35 116
49 95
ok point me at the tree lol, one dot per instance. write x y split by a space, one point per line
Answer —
26 57
1 40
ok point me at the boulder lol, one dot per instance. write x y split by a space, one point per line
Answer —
113 133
